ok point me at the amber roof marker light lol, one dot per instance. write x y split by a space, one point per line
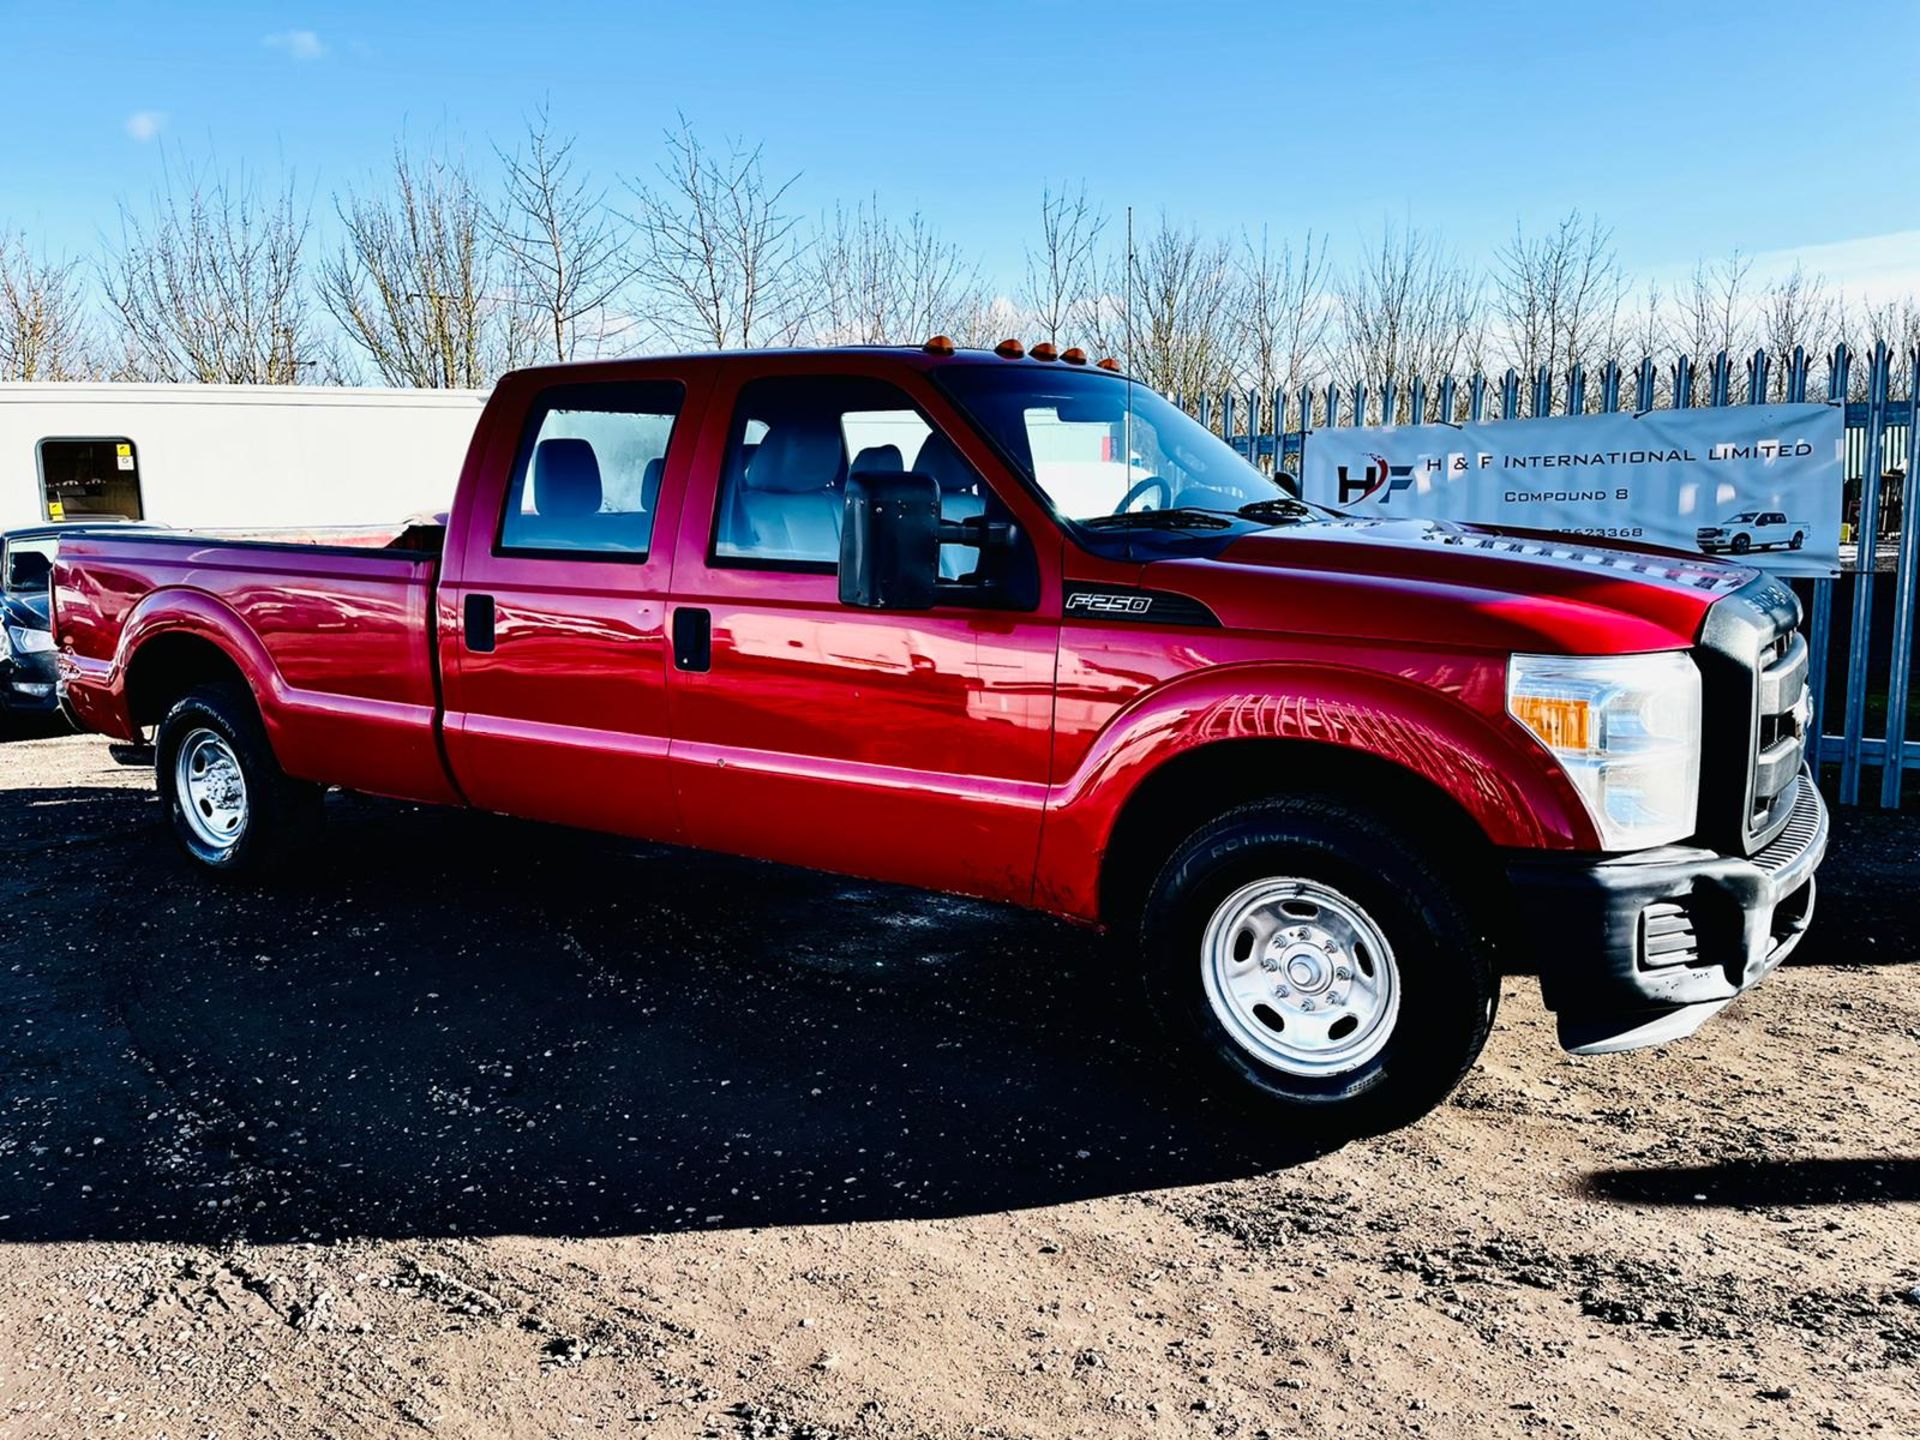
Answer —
1043 351
1009 349
1108 363
1074 356
939 345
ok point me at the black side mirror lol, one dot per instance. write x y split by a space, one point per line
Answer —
1287 482
890 541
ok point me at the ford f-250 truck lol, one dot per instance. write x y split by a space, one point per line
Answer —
1010 625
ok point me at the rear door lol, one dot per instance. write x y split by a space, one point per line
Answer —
907 747
553 618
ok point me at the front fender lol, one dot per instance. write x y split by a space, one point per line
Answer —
1432 723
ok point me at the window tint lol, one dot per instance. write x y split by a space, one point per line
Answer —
588 475
795 441
90 479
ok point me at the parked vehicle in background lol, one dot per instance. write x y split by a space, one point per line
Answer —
226 456
28 674
1752 530
861 610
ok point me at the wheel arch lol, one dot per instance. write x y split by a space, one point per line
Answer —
1197 785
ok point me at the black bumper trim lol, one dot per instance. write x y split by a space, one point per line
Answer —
1582 919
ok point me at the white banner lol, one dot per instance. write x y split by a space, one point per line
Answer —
1756 482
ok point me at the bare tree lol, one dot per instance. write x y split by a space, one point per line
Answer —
1796 312
208 285
1408 309
419 284
877 282
718 247
1284 316
1176 319
1061 285
43 324
566 252
1557 296
1715 310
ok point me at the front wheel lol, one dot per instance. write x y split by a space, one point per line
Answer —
1319 963
230 805
1742 544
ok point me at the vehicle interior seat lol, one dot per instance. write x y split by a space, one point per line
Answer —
960 497
787 506
878 460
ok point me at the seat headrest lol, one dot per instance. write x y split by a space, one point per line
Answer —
941 458
878 460
566 479
797 456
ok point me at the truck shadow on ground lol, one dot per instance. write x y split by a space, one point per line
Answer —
1764 1183
454 1025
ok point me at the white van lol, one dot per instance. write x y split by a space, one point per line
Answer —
229 456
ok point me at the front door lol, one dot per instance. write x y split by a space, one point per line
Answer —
906 747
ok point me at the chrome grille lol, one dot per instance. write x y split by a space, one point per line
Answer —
1753 668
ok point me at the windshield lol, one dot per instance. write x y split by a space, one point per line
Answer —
1070 430
1745 517
30 564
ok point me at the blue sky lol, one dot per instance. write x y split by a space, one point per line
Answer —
1692 129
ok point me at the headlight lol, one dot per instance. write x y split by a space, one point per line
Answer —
1626 729
6 645
30 642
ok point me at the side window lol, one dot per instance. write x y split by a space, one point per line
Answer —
90 479
587 480
29 566
794 443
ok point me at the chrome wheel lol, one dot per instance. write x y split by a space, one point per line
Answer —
211 791
1300 976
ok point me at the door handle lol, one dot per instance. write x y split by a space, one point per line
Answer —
479 623
692 639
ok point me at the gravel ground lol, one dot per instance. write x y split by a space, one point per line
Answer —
487 1129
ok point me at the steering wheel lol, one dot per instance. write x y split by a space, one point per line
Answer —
1140 488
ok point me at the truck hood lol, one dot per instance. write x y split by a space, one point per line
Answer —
1457 586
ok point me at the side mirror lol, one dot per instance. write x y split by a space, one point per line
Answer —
1287 482
890 541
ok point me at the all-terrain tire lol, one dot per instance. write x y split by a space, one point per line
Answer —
267 822
1442 958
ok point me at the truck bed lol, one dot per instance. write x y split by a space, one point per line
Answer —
334 632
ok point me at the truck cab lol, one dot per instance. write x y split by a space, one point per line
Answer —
1012 625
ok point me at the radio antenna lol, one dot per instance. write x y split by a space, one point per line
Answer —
1126 433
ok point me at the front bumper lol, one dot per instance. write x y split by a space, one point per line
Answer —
1638 950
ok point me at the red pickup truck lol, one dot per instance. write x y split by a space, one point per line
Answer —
1014 626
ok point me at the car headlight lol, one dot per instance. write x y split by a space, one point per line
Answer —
30 642
1626 729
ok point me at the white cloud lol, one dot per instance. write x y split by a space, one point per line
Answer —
144 125
297 44
1871 268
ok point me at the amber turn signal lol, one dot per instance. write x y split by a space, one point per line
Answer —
1563 723
1009 349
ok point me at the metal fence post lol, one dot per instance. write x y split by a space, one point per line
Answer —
1643 386
1900 671
1476 396
1865 548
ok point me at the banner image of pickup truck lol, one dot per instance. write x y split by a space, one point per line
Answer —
1752 530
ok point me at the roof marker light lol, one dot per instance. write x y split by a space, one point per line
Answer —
1043 351
1009 349
939 345
1108 363
1075 356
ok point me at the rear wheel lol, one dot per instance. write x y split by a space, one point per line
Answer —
230 805
1799 539
1318 964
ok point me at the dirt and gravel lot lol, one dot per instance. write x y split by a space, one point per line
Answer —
484 1129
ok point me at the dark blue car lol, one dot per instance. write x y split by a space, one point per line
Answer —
26 634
